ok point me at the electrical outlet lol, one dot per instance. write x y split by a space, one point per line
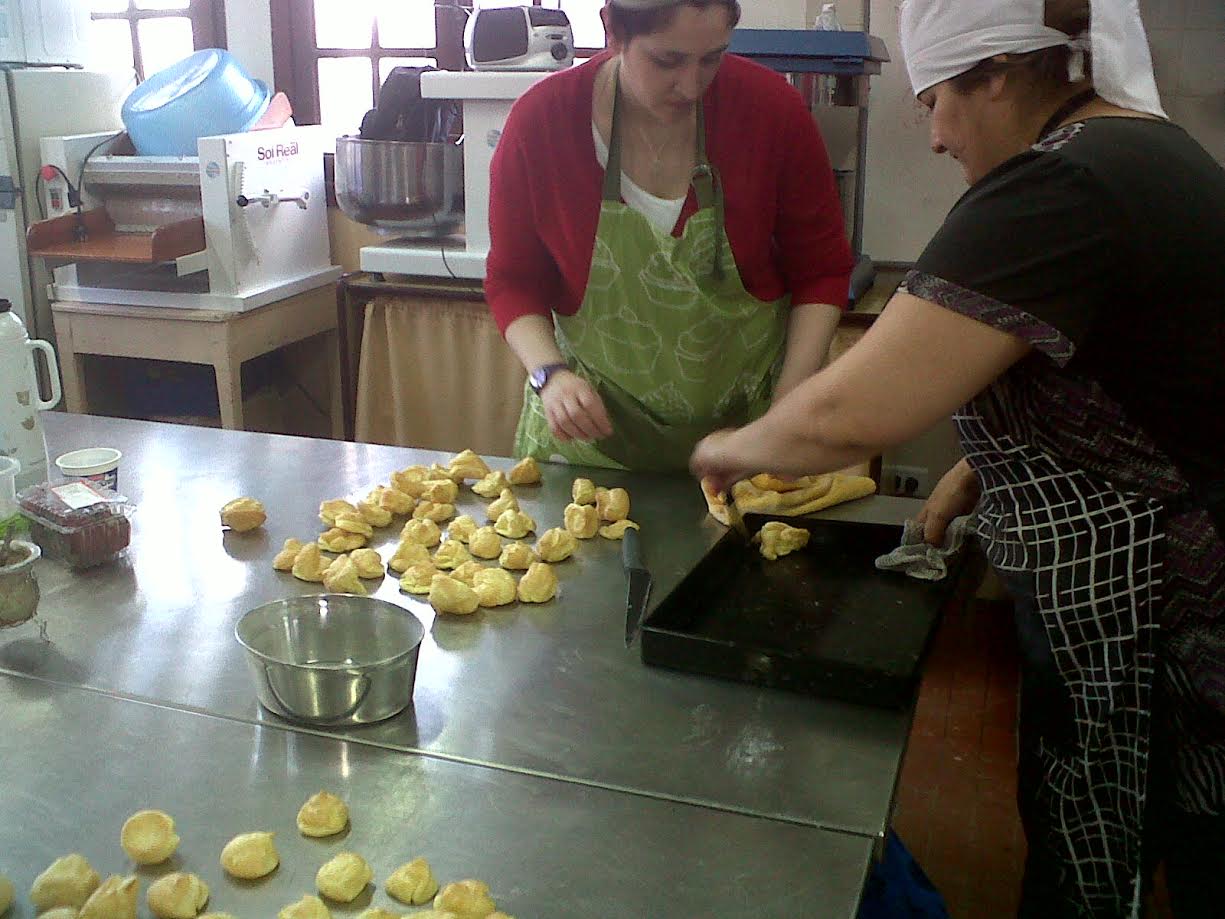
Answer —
906 481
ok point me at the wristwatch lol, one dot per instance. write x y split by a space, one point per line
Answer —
539 378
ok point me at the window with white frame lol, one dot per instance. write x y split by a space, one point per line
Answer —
149 35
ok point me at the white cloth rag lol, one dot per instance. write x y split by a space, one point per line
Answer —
916 558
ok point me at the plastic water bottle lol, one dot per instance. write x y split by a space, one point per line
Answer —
827 20
21 433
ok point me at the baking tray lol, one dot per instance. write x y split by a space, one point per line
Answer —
822 621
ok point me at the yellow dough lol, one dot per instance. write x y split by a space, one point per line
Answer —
466 899
492 485
323 814
306 908
514 524
243 514
208 916
60 912
413 883
368 563
341 578
778 539
613 504
338 540
396 502
410 481
177 895
409 554
310 564
439 513
433 914
343 877
451 554
556 545
494 587
423 532
517 556
354 523
805 495
285 558
525 472
437 471
582 520
6 894
617 530
583 491
373 514
418 578
330 510
467 465
250 856
440 491
461 528
466 573
115 898
448 595
377 912
485 543
539 585
148 837
505 501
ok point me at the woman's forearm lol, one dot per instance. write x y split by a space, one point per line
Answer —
810 329
531 338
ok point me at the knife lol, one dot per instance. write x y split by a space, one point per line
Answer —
734 518
639 586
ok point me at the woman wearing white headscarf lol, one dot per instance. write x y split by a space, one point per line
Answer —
1071 307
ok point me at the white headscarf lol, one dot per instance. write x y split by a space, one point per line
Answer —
942 39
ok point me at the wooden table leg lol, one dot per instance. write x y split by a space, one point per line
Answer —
72 366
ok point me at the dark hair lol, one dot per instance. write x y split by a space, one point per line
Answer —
1040 73
626 25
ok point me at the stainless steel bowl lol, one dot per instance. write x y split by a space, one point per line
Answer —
332 659
398 185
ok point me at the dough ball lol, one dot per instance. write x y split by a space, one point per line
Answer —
306 908
492 485
368 563
422 531
60 912
582 520
437 471
243 514
485 543
213 916
338 540
115 898
395 501
439 513
617 530
285 558
467 899
613 504
525 472
373 514
377 912
583 491
67 881
448 595
250 856
343 877
418 578
354 523
341 578
6 893
330 510
466 573
413 883
556 545
517 556
409 554
505 501
539 585
494 587
514 524
310 564
148 837
451 554
177 895
323 814
411 481
467 465
440 491
777 539
461 528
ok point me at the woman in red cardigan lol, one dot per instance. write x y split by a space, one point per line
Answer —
668 252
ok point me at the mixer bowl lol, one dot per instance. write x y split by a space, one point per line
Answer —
400 185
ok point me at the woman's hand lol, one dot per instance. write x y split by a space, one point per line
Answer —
954 496
574 409
719 458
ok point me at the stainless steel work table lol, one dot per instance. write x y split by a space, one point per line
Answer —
78 763
547 690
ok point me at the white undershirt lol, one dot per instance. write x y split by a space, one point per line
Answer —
663 213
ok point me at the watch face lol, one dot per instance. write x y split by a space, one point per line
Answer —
539 377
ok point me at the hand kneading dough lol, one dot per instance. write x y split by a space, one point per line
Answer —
505 502
556 545
413 883
373 514
583 491
617 530
461 528
323 814
243 514
343 877
517 556
114 899
353 523
539 585
613 504
442 491
492 485
467 899
425 532
466 573
285 558
148 837
582 520
514 524
368 563
306 908
418 578
397 502
467 465
6 893
485 543
177 895
448 595
68 881
494 587
341 578
409 554
250 856
330 510
526 472
777 539
338 540
451 554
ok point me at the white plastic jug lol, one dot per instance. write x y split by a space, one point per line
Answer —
21 433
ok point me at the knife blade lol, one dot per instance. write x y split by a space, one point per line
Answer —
638 587
735 519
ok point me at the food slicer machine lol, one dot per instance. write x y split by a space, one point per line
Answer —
241 225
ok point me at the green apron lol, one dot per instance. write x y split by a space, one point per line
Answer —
666 333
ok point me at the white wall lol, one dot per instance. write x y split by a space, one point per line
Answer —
248 32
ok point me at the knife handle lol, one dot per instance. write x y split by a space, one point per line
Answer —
631 549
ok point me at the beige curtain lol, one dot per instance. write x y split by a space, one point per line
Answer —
436 374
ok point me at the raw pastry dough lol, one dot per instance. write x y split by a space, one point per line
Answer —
148 837
330 510
323 814
492 485
408 554
338 540
556 545
368 563
6 893
777 539
396 501
341 578
413 883
177 895
354 523
114 899
467 465
310 564
583 491
517 556
466 572
418 578
285 558
373 513
343 877
617 530
377 912
60 912
423 532
448 595
505 501
525 472
440 491
451 554
613 504
805 495
306 908
243 514
466 899
514 524
461 528
439 513
582 520
250 856
494 587
411 481
539 585
485 543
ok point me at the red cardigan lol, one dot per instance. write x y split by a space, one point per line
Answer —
783 216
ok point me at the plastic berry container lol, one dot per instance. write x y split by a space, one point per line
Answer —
82 524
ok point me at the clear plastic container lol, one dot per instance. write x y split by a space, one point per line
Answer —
78 523
18 585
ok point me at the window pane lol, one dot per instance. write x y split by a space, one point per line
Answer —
385 64
344 92
489 4
163 41
585 19
406 23
107 6
162 4
110 45
344 23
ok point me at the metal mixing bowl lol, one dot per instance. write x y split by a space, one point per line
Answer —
332 659
399 185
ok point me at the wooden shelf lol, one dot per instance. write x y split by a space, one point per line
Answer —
56 238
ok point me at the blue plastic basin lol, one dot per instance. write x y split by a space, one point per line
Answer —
202 95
